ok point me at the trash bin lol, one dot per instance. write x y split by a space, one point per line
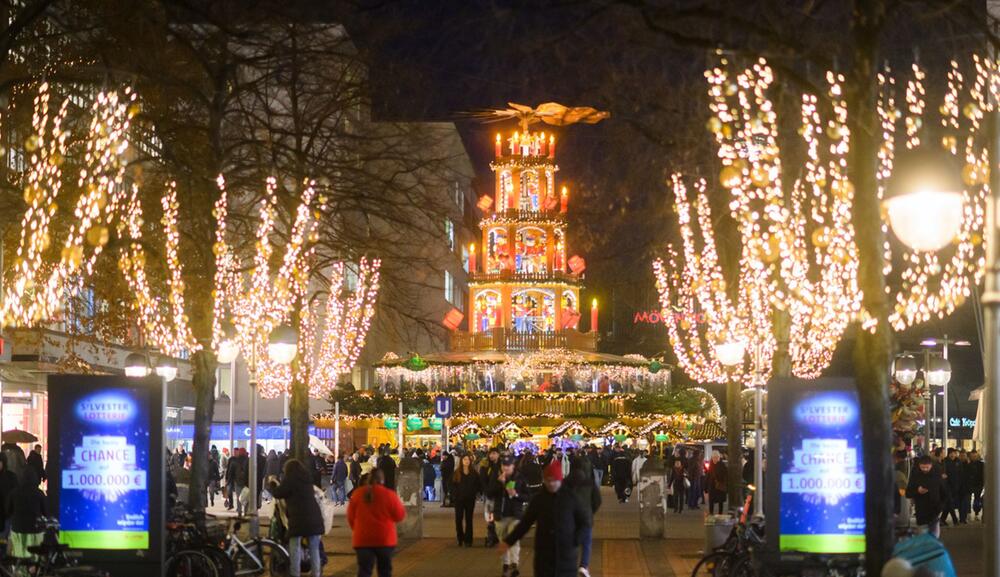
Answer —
717 530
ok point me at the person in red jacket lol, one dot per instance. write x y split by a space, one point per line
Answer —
372 514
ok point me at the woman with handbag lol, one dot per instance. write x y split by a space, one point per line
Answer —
305 519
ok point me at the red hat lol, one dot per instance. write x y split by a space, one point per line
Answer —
553 471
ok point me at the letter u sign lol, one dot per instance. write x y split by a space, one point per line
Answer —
442 407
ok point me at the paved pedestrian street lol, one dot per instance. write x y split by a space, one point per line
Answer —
618 551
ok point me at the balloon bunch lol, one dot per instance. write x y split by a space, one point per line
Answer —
908 406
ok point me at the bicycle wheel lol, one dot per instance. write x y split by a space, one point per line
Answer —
275 558
191 563
715 564
744 568
223 564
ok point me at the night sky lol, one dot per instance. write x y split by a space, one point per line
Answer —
433 61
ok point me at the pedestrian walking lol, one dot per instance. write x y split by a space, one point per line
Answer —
237 476
621 473
8 483
716 483
488 473
976 481
354 472
35 461
372 514
24 507
305 519
637 464
532 473
594 456
964 488
464 488
429 476
559 522
588 495
447 471
925 488
695 475
338 480
508 493
952 487
214 476
387 465
677 483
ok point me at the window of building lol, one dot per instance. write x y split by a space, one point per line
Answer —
459 195
449 287
449 232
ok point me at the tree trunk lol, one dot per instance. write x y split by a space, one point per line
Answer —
734 434
298 415
781 362
872 350
203 380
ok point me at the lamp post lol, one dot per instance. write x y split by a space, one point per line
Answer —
166 367
945 375
730 353
924 198
136 365
229 349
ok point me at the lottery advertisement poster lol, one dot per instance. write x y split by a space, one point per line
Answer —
109 443
820 481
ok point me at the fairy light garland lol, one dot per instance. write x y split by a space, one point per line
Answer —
38 289
332 336
804 239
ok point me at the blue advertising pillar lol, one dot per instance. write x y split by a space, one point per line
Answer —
106 470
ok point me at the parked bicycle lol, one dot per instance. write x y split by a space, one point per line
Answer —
50 557
258 556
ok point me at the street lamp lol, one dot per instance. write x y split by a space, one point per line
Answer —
730 353
282 345
939 372
166 367
905 369
136 365
925 198
229 349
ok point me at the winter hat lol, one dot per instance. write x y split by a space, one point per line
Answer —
553 471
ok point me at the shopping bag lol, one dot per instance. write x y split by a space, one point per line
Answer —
326 507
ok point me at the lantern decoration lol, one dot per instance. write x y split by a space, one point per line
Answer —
485 203
391 423
453 319
414 423
435 423
655 366
577 264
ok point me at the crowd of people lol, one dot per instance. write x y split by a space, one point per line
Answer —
942 485
557 491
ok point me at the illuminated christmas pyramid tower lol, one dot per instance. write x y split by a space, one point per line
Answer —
524 289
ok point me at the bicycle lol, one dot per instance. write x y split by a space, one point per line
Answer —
257 556
50 557
188 533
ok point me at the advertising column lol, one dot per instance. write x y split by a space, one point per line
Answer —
106 474
815 478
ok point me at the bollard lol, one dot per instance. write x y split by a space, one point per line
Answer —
652 500
409 486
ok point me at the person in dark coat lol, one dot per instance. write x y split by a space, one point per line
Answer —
447 470
8 483
676 486
716 483
588 494
925 488
964 489
952 487
532 473
976 480
464 488
561 521
695 475
387 465
237 477
354 471
34 461
24 507
508 492
338 480
213 477
621 473
305 520
429 475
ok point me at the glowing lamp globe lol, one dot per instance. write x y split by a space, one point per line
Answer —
136 366
939 372
924 199
166 368
228 351
282 345
905 369
730 353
